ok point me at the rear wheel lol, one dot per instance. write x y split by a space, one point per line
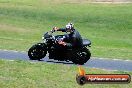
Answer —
81 56
37 51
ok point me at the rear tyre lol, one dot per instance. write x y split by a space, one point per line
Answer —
37 51
81 56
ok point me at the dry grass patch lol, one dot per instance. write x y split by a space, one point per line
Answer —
9 28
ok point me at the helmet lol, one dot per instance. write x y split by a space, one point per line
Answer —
70 26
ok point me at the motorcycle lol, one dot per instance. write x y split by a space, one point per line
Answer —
57 52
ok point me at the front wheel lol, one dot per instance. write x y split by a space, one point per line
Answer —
37 51
81 56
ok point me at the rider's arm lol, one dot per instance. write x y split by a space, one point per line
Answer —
59 29
62 29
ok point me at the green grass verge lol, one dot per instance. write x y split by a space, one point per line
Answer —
24 74
108 26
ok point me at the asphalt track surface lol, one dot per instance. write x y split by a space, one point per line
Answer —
120 65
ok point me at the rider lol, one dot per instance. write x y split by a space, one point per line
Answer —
73 39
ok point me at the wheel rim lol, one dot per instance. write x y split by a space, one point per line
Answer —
37 53
82 55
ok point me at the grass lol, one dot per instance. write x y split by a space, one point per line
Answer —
108 26
24 74
22 24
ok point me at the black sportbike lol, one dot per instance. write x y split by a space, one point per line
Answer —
57 52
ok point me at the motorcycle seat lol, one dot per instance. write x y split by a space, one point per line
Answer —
86 42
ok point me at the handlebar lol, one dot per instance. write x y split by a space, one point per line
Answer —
49 36
52 31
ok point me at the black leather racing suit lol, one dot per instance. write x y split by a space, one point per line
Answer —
73 39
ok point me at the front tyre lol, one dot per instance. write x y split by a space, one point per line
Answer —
81 56
37 51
